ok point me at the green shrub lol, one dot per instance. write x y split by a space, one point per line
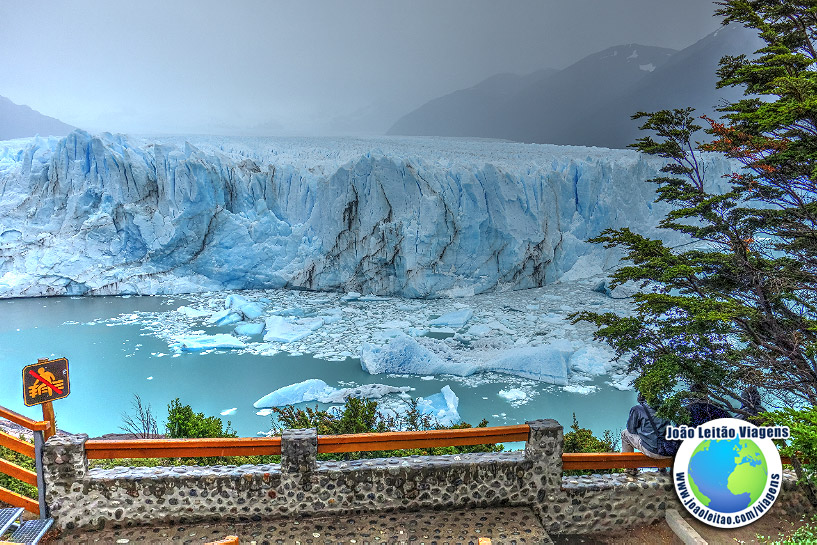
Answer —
802 424
182 422
361 416
582 440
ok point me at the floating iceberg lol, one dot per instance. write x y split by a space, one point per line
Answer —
513 394
193 312
308 390
546 363
224 317
455 319
442 406
235 300
404 355
279 329
317 390
249 329
191 343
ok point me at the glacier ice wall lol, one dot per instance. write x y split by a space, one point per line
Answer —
417 217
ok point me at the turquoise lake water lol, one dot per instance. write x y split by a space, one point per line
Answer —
110 363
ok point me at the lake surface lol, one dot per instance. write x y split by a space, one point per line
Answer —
112 357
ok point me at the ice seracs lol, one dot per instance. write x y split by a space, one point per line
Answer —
111 214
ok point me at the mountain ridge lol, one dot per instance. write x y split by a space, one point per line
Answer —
590 102
21 121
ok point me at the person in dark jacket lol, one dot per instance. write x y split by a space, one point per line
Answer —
643 430
701 408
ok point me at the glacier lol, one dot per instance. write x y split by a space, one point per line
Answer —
413 217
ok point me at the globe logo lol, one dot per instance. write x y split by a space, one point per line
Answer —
727 475
727 472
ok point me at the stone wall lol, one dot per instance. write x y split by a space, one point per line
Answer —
81 498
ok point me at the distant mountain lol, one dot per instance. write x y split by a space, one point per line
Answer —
687 79
533 108
467 112
590 102
21 121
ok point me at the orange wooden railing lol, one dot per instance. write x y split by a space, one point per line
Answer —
367 442
610 460
362 442
181 448
26 449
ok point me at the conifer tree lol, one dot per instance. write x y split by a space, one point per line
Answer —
738 306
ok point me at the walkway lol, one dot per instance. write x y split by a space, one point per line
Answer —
508 526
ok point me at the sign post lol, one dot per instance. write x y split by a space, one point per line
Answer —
44 382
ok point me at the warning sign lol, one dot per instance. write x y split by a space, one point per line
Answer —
45 381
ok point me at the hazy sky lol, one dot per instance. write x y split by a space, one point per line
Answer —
299 66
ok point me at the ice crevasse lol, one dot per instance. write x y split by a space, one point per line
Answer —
415 217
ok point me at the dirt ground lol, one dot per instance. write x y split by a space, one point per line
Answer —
770 526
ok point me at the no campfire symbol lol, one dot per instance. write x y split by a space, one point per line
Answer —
45 381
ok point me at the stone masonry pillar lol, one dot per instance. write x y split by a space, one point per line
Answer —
65 466
299 460
544 449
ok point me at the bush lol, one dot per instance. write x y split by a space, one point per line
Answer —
802 424
361 416
182 422
582 440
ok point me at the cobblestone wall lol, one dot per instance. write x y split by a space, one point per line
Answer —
300 485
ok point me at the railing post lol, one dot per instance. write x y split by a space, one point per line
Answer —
39 441
299 460
544 449
48 416
299 450
65 465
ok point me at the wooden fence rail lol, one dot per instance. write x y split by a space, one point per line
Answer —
24 421
254 446
182 448
367 442
42 430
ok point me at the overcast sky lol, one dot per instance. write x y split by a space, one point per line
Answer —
299 66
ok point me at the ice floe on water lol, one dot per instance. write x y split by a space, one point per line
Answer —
512 338
190 343
455 319
317 390
513 394
442 407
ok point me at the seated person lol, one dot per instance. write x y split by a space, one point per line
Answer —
701 409
643 430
